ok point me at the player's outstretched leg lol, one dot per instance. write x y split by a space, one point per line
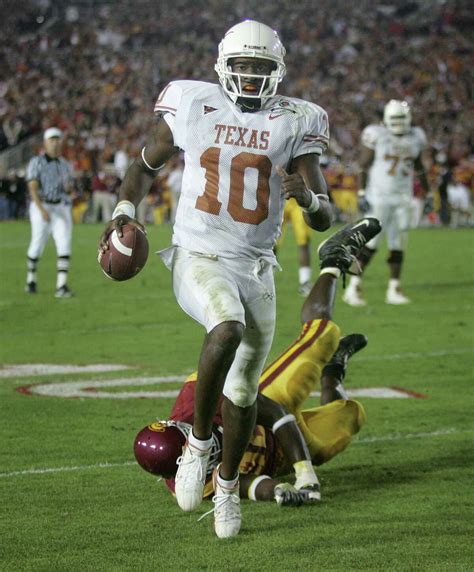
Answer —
335 370
340 249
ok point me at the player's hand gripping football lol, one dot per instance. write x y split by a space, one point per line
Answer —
293 186
117 224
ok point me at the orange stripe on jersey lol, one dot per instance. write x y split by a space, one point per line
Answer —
160 99
165 108
293 352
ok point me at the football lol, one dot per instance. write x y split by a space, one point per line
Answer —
126 255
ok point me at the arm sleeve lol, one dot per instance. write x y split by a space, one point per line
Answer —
314 133
169 106
369 136
32 171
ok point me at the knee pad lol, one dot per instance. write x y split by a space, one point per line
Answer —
395 257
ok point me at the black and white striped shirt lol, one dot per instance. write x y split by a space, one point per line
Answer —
53 176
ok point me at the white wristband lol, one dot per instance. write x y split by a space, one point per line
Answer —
149 166
124 208
254 485
288 418
314 205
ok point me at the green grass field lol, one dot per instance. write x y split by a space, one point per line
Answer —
399 498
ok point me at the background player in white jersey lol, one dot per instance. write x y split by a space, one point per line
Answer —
50 179
246 150
391 154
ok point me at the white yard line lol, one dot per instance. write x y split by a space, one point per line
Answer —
66 469
34 369
403 436
416 355
31 370
390 437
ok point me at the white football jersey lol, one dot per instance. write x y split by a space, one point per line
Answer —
391 173
231 203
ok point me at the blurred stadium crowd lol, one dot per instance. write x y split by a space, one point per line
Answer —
95 67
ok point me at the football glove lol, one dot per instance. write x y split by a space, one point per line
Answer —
311 493
287 495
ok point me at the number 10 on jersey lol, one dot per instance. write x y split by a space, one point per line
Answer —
209 202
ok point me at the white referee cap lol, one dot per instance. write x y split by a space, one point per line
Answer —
52 132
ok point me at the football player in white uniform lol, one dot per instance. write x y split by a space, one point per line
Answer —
391 154
246 151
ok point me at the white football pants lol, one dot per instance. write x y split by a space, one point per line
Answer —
213 290
59 225
395 220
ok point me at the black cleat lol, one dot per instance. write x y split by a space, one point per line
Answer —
31 288
340 249
348 346
64 292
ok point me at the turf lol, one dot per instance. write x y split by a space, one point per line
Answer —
399 498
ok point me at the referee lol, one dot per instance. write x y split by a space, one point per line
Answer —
50 179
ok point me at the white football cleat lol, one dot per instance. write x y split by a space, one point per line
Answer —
396 297
227 515
353 296
190 477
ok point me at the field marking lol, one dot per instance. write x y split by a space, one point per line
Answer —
416 355
23 370
364 441
401 436
34 369
88 389
66 469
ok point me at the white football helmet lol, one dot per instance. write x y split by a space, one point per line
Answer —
397 116
250 39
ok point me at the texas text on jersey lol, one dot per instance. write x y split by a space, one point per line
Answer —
230 165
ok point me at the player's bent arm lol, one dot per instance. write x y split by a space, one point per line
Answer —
141 173
366 158
260 488
283 424
264 488
139 178
307 166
